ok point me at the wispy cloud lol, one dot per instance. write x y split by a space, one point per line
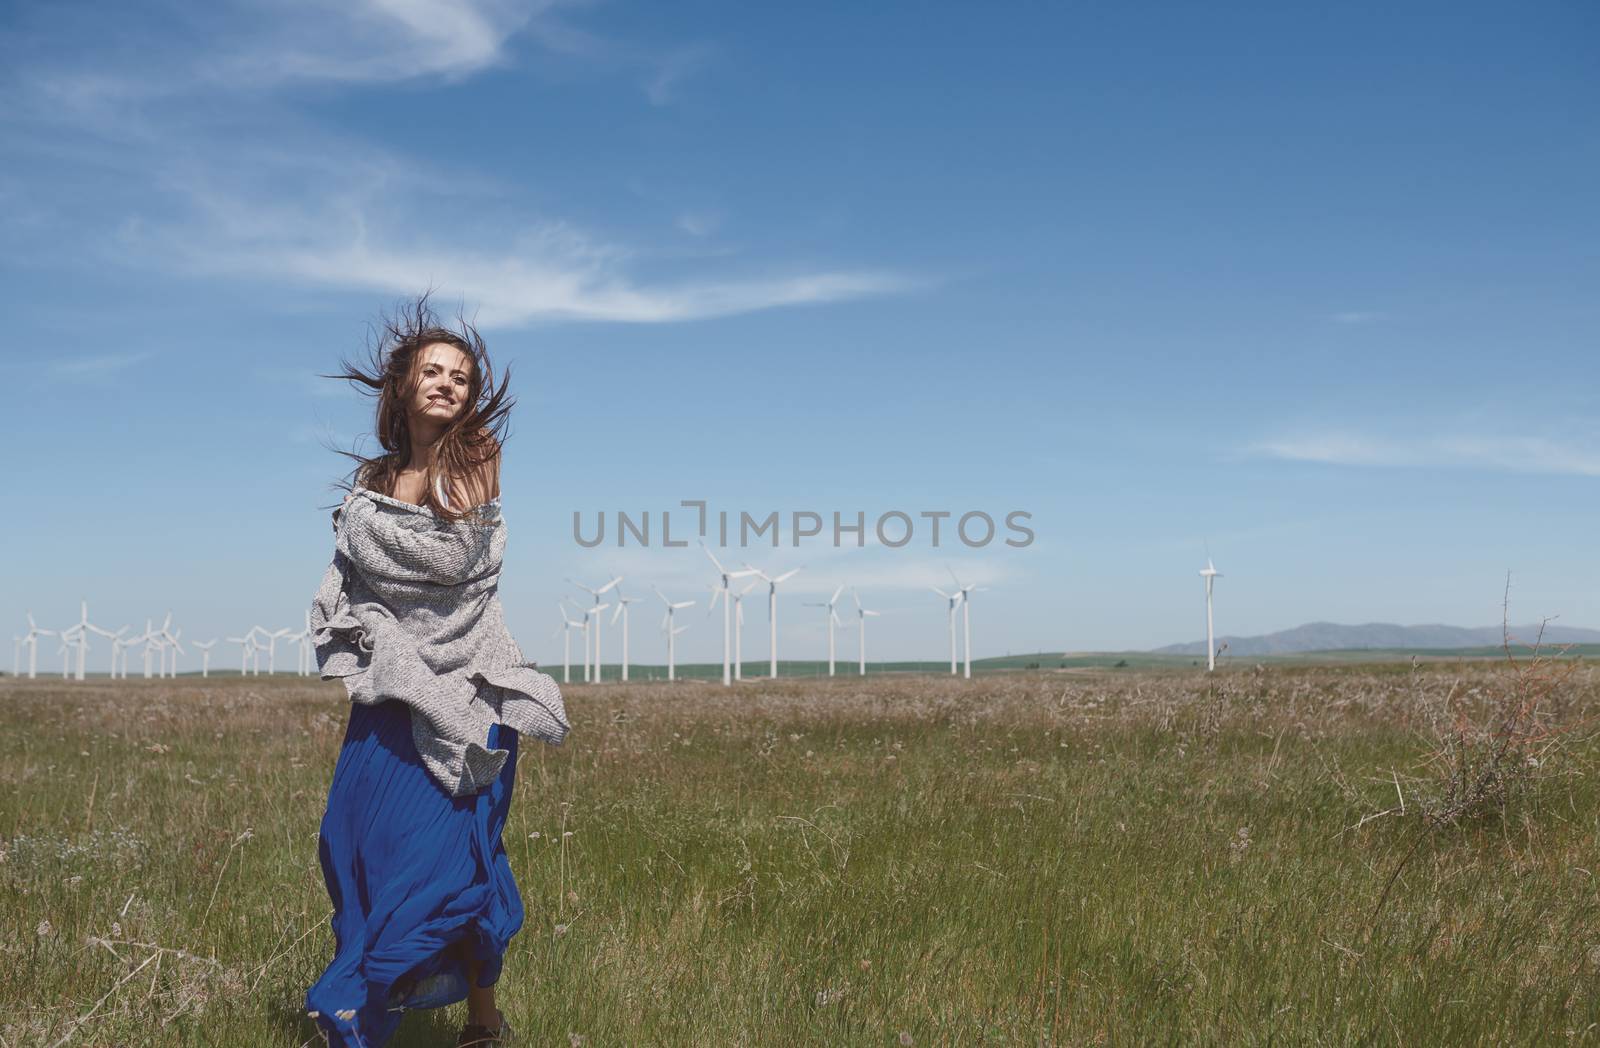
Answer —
661 86
269 195
1353 317
99 365
1516 454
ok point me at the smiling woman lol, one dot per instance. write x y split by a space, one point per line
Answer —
440 414
424 900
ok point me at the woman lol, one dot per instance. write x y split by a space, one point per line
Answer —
408 617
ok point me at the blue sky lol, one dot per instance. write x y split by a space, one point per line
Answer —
1313 286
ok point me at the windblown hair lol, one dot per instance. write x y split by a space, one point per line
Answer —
473 437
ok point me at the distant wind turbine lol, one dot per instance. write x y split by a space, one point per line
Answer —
205 647
622 610
672 633
861 614
31 639
738 630
246 644
565 629
598 606
727 612
831 620
966 616
170 640
1210 574
772 614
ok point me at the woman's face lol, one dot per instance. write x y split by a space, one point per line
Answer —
443 376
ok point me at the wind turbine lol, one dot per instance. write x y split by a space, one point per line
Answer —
66 654
1210 574
952 599
622 609
738 630
672 634
257 635
862 614
246 645
966 616
272 647
831 621
119 650
78 635
598 607
721 593
566 628
170 640
152 642
31 639
583 625
205 647
772 613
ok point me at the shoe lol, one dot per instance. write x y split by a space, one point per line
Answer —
475 1036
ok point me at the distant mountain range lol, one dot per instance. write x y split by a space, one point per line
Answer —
1331 636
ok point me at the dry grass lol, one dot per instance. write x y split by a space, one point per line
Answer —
1022 859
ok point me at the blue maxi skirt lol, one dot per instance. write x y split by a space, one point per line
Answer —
420 882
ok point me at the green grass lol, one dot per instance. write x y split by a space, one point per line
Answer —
1120 857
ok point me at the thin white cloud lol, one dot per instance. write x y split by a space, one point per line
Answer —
1517 454
661 86
1353 317
270 196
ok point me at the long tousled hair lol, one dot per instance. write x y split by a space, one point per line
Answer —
471 439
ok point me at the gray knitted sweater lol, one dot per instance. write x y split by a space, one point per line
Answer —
409 609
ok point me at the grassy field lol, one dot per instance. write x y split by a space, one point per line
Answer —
1058 858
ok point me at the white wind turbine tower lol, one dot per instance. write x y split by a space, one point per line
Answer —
246 643
672 634
205 647
78 635
116 651
598 607
772 614
257 635
566 628
738 631
831 621
1210 574
622 610
151 642
862 614
588 616
31 639
66 654
272 647
170 641
966 616
119 650
727 612
951 599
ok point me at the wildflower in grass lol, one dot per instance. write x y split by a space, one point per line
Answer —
44 929
905 1039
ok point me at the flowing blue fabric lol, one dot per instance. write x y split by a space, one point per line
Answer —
420 882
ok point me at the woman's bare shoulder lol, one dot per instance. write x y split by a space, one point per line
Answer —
482 481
